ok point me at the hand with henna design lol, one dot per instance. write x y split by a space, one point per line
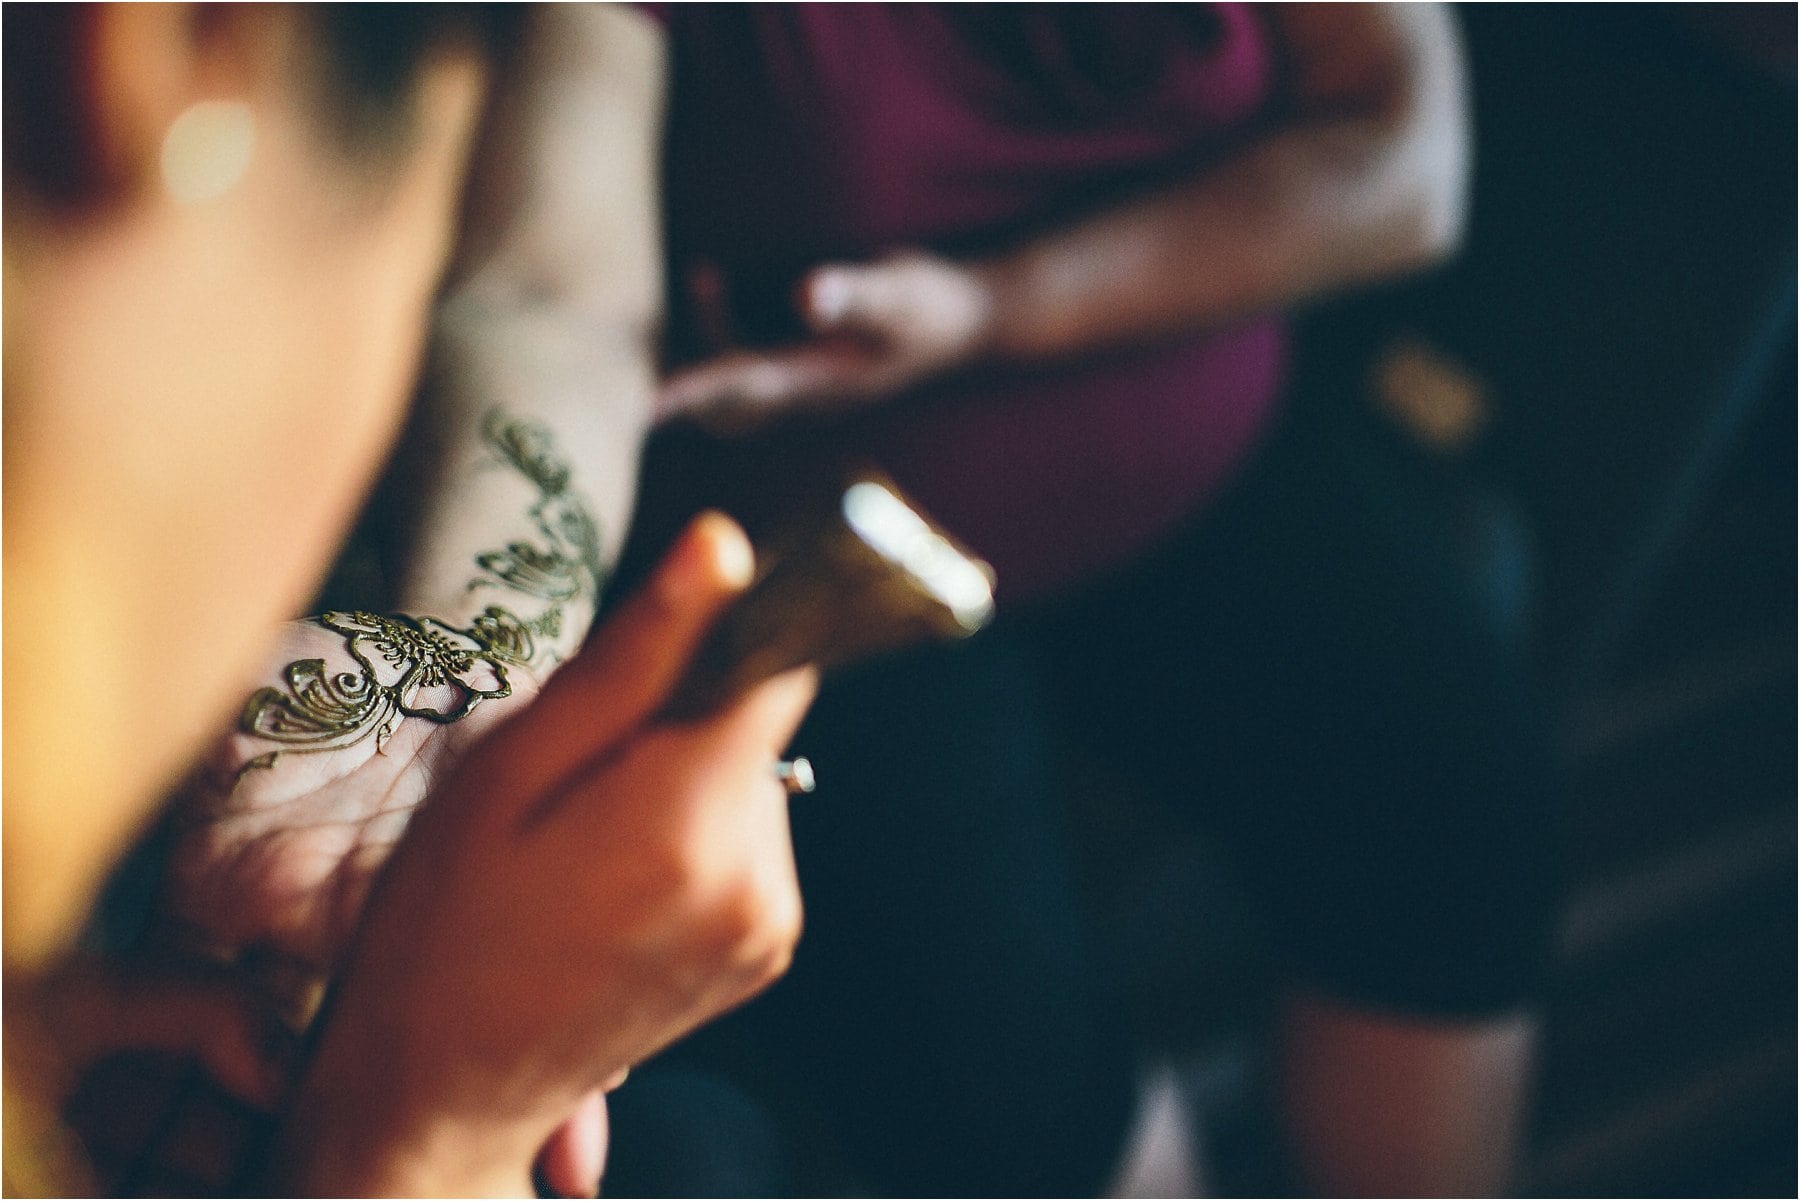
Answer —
274 867
298 808
275 859
278 846
301 803
586 885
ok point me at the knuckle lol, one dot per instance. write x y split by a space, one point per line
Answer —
756 925
779 929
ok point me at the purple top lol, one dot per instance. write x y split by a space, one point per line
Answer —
803 133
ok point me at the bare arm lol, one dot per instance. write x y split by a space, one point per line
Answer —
511 500
1367 180
519 484
546 331
1365 177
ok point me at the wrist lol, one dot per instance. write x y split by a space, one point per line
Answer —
1004 334
519 545
530 638
373 1123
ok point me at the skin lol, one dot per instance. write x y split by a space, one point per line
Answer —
118 304
1431 1100
1367 180
553 330
136 329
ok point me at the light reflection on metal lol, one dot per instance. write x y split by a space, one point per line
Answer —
895 531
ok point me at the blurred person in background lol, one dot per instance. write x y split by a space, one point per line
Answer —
1031 259
225 229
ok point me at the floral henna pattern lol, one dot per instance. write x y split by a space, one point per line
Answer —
319 711
407 667
420 661
566 564
422 667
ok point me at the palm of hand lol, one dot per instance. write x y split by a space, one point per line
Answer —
280 857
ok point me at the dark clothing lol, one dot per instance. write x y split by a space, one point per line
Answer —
1246 620
1315 675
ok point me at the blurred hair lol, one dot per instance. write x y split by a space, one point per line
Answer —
368 57
372 54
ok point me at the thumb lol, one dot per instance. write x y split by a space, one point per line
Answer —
627 669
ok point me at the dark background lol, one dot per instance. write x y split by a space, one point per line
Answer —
1624 316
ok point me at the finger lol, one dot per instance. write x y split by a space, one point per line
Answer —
572 1161
770 713
747 385
735 747
751 732
732 375
716 870
622 676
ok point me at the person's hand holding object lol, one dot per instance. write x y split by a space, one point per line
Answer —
587 886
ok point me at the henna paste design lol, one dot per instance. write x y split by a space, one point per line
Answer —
566 565
422 667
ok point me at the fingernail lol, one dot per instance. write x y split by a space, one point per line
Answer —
711 557
731 558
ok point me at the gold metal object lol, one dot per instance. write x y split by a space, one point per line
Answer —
871 575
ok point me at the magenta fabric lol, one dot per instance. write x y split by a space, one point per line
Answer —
806 133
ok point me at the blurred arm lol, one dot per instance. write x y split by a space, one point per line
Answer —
1367 179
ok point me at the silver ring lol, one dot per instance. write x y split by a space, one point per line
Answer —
796 775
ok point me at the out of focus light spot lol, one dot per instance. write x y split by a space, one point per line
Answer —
895 531
1435 398
207 150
